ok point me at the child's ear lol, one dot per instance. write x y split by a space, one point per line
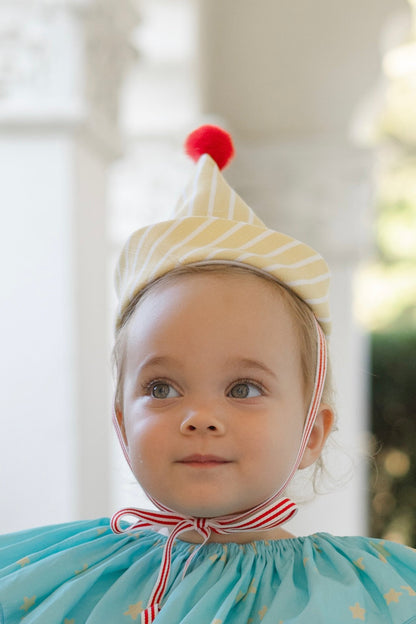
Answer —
322 428
119 422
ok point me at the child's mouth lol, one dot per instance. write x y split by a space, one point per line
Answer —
204 461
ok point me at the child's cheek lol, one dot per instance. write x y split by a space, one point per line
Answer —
142 436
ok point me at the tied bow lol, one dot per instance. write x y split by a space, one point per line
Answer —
267 515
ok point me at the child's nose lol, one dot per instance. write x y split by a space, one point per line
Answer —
203 421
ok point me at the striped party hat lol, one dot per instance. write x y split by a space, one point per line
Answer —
212 224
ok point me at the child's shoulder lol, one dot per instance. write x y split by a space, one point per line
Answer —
48 536
378 576
45 541
369 558
379 550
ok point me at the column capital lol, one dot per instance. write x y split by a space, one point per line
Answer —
315 189
62 63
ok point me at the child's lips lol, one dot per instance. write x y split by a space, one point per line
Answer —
204 461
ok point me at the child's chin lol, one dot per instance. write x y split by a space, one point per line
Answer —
206 511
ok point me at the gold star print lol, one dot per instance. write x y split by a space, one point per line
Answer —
240 596
101 530
252 589
24 561
313 567
410 591
217 622
253 545
84 567
392 596
382 552
262 612
359 563
66 621
134 610
224 556
214 558
358 613
28 603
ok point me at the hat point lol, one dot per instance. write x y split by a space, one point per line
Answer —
213 141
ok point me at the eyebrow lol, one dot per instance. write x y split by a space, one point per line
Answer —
247 363
159 360
252 364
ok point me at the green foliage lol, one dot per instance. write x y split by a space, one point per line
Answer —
396 211
389 297
393 482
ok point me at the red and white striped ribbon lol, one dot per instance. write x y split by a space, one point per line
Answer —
268 515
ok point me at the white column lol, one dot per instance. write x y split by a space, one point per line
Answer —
288 79
278 69
61 64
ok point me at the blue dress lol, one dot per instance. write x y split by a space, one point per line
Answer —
81 573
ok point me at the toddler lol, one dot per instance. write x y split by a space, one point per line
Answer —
221 396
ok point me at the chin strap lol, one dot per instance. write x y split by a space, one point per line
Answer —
268 515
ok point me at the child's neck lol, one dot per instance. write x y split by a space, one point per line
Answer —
193 537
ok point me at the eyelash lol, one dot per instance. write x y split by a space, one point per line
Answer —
147 386
249 382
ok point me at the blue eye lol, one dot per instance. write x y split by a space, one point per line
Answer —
245 390
162 390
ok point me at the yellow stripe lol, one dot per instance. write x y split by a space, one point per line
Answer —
272 245
236 227
297 265
174 225
254 241
194 233
142 237
305 282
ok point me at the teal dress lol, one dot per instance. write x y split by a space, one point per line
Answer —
82 573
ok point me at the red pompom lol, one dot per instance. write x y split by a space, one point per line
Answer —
213 141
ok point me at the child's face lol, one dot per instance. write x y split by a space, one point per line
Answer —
213 404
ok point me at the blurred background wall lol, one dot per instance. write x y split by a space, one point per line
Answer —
96 98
